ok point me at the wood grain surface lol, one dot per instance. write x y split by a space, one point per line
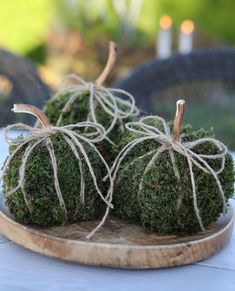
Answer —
118 244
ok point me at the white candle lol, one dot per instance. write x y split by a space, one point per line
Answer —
164 40
186 37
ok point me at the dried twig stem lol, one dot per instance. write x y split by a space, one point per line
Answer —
180 107
109 65
26 108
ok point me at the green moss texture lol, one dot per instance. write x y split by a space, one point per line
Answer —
157 207
40 190
80 112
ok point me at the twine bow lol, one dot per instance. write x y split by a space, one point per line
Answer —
168 143
114 106
117 108
75 141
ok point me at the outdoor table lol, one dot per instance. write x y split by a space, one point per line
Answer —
21 269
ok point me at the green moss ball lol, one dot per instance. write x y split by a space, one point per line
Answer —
40 190
80 111
165 204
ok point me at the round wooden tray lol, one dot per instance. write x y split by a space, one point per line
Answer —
118 244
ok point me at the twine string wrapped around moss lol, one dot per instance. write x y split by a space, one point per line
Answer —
110 103
74 140
114 106
173 144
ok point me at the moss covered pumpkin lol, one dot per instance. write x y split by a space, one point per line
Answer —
164 203
81 101
36 202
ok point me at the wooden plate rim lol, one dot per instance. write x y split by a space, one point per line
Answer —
128 252
115 245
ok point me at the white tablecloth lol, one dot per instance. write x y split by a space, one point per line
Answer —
21 269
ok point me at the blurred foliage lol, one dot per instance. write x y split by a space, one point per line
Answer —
137 20
24 23
89 17
27 22
100 18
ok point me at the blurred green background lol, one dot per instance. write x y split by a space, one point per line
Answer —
41 28
32 20
63 36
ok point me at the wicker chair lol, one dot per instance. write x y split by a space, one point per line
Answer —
26 86
205 78
158 75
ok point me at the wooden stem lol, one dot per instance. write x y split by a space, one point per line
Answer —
26 108
180 107
109 65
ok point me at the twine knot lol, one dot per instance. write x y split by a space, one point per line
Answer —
112 105
163 137
77 142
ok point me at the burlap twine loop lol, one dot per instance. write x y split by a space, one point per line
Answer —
112 105
167 143
77 143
